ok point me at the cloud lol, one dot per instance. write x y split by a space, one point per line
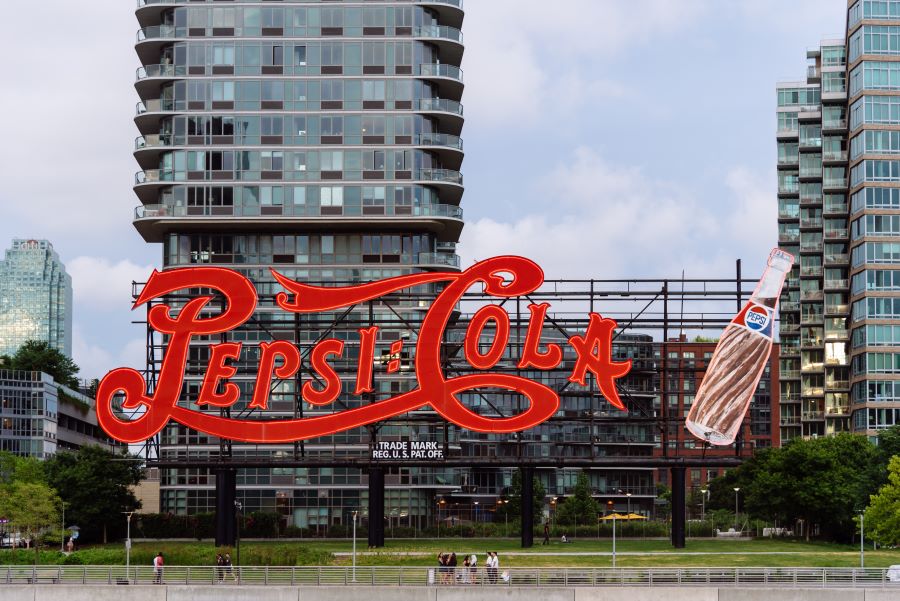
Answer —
99 283
524 58
96 361
613 221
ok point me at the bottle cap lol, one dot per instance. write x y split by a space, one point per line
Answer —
780 260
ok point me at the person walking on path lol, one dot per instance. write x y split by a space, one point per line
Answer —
220 572
546 534
226 561
158 568
452 567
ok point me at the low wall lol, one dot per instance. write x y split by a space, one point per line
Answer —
384 593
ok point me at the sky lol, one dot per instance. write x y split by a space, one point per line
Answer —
603 139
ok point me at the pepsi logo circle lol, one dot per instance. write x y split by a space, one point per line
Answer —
757 318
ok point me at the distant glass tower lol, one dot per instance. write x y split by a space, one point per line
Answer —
35 297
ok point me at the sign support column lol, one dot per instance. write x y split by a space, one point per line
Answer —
527 504
226 518
376 507
678 507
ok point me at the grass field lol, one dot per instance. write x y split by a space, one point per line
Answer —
580 553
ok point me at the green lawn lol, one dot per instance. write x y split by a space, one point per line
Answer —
631 553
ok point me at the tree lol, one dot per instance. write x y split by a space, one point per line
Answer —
31 508
581 507
95 484
889 444
820 481
20 469
36 355
513 509
883 514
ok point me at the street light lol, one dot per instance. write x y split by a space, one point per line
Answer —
614 540
862 538
355 513
703 492
628 494
737 489
62 543
128 515
237 514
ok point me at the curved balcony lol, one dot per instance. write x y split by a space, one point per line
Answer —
168 141
447 181
154 221
441 260
448 149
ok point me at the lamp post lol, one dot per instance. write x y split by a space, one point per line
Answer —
614 541
62 543
628 494
355 513
737 489
238 507
862 538
703 504
128 515
552 510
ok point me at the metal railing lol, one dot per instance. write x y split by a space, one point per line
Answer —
427 577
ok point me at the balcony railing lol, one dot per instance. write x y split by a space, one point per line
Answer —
838 385
837 284
837 233
807 295
837 259
835 207
813 416
811 223
170 210
442 105
171 140
437 32
169 70
152 176
790 420
811 247
790 306
812 271
834 155
439 259
789 374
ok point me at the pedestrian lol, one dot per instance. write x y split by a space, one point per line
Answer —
442 567
491 568
451 564
71 545
226 561
546 533
220 572
496 566
473 569
464 576
158 568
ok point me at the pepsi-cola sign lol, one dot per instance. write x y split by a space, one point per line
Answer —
501 277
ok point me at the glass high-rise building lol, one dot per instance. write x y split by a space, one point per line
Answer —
35 297
321 138
839 209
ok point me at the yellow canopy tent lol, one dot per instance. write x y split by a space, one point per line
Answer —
634 516
614 516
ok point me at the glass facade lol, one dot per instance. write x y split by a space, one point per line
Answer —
862 248
322 139
35 298
812 224
874 177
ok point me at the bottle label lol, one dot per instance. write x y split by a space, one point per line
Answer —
755 318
